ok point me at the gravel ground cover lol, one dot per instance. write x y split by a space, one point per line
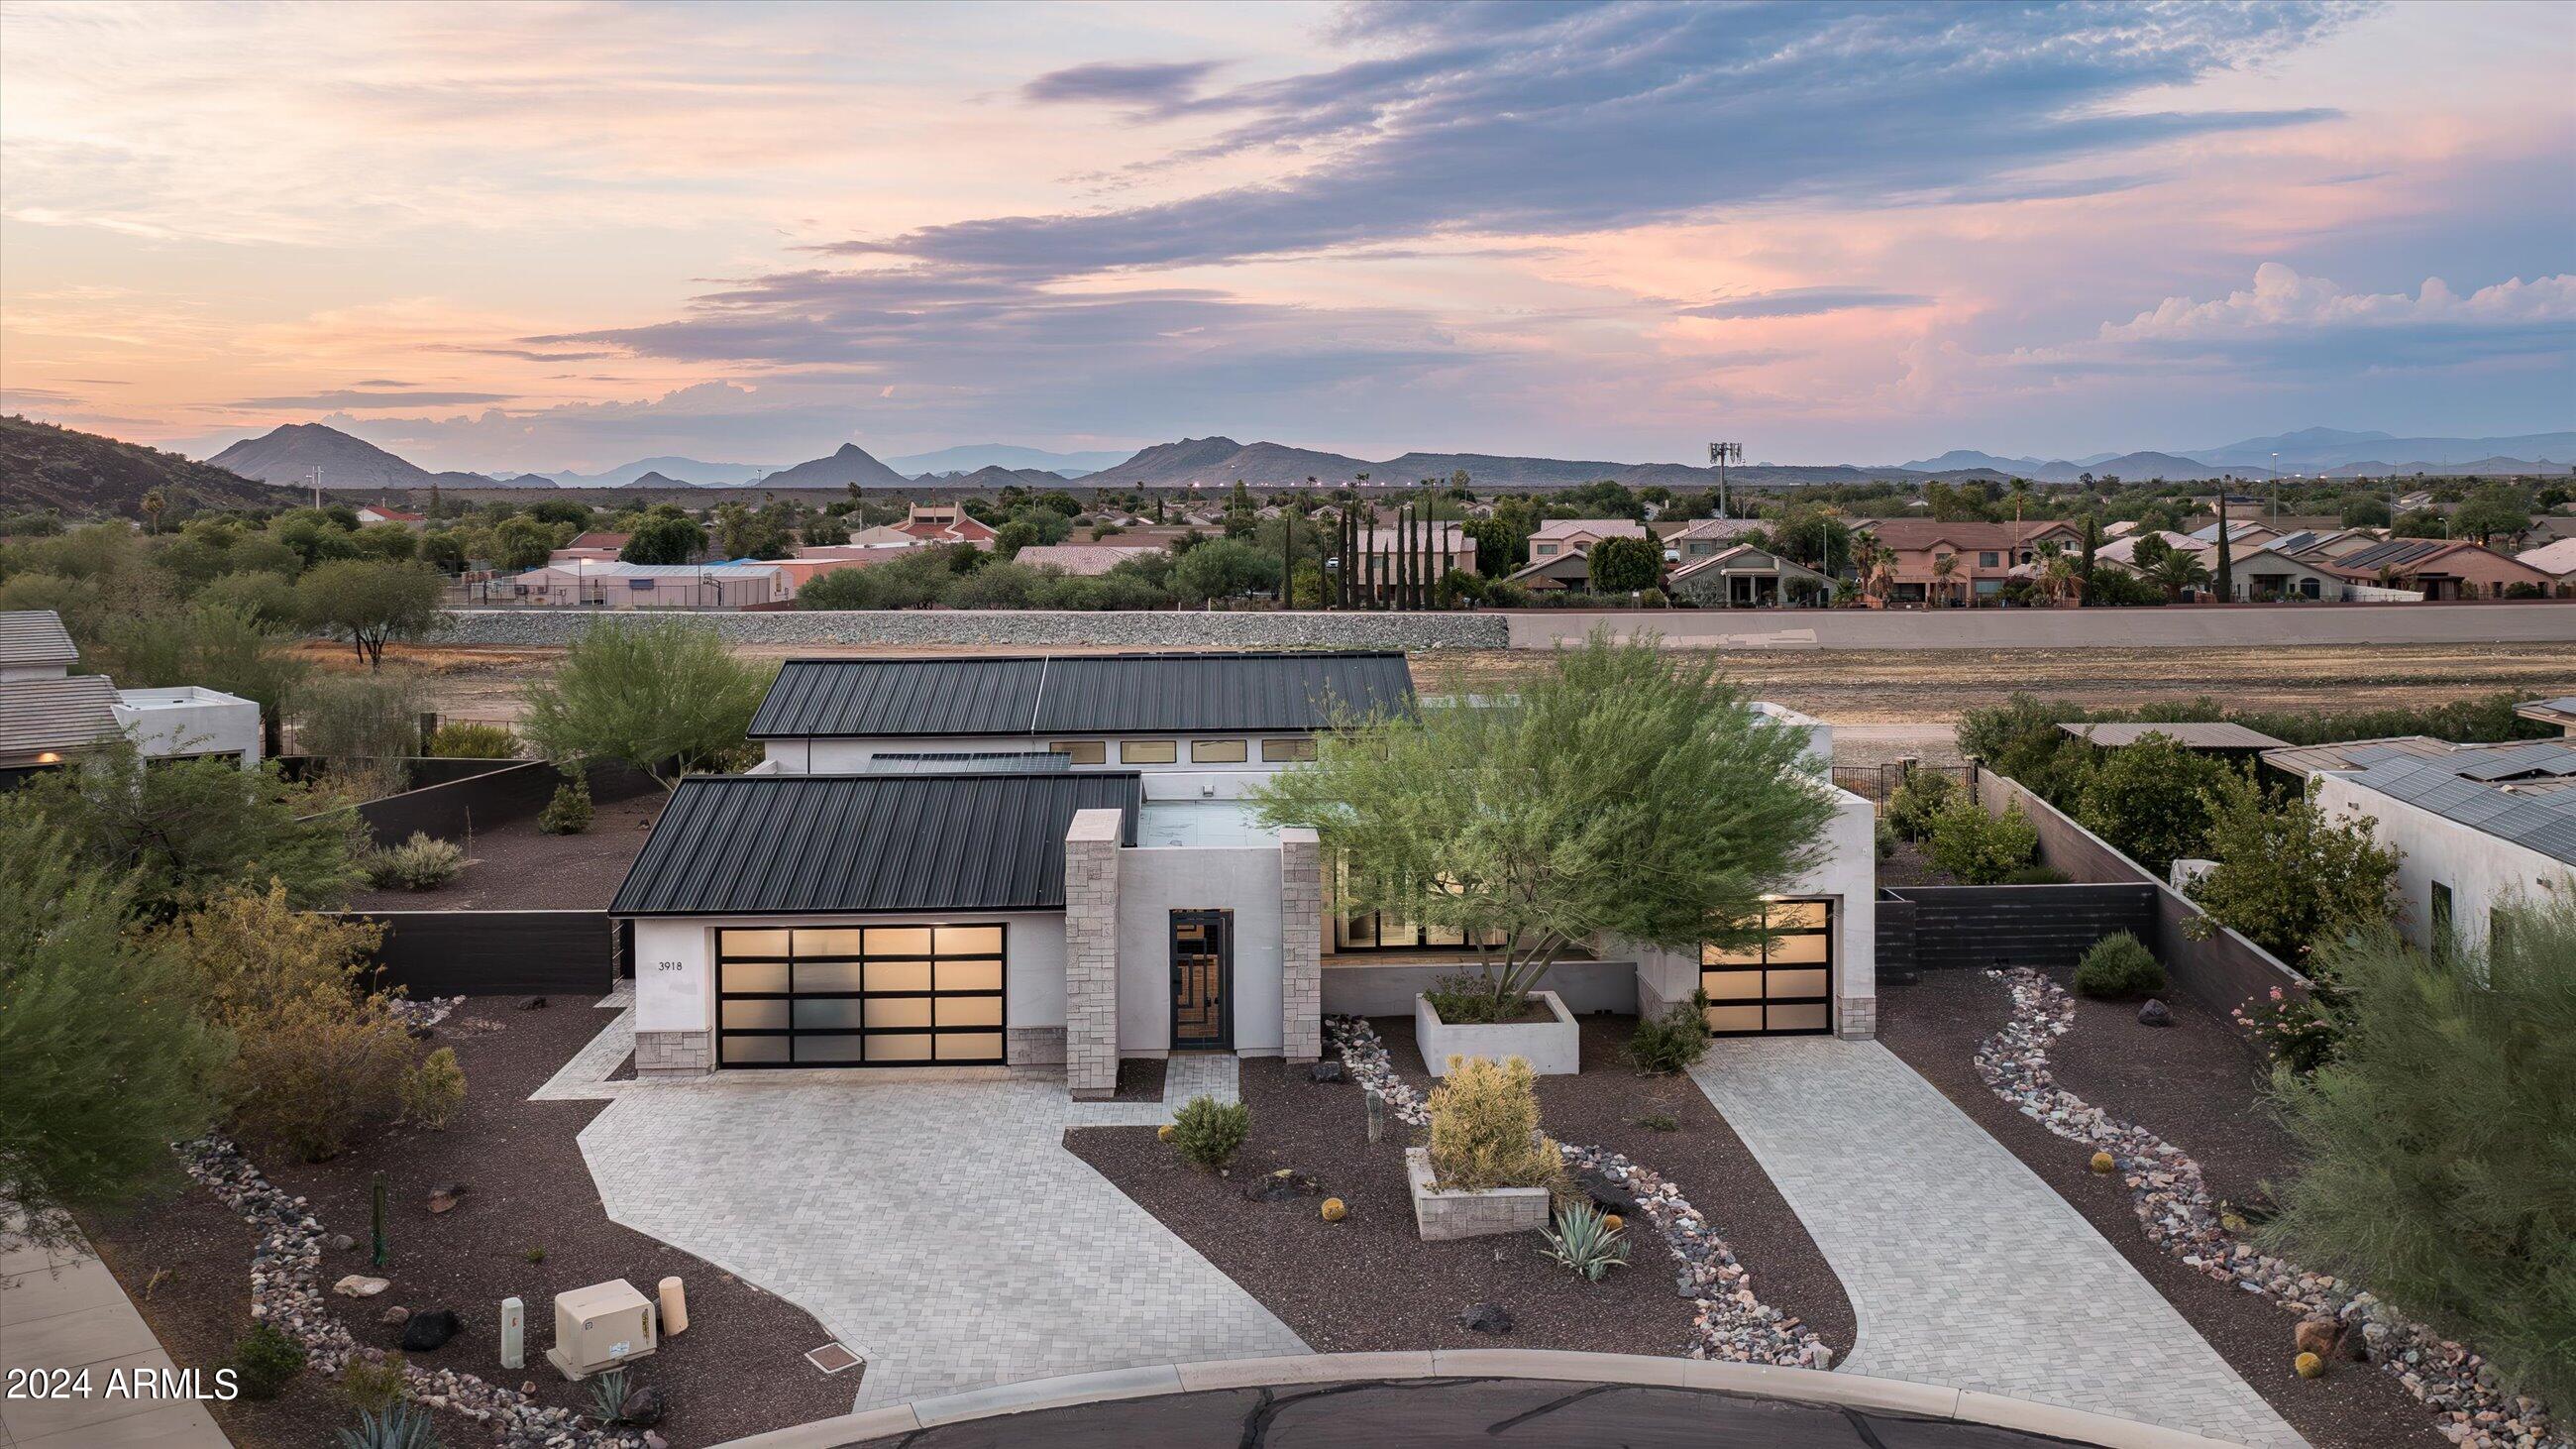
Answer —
1371 1283
2203 1099
517 867
527 1192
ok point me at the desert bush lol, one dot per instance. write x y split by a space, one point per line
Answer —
2294 1031
1584 1241
433 1090
1484 1128
401 1426
1469 998
359 721
1884 840
1208 1132
1978 848
264 1360
568 813
464 741
2151 800
1921 795
1667 1043
2288 877
422 863
2438 1146
373 1387
2119 965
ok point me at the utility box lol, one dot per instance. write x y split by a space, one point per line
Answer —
601 1327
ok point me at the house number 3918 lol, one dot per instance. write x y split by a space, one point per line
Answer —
668 966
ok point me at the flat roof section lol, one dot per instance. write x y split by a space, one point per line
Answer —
2190 734
1213 824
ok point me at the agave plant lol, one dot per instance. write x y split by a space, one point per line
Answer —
608 1395
1584 1241
398 1427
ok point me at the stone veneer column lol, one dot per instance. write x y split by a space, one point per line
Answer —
1859 1018
674 1053
1301 945
1091 954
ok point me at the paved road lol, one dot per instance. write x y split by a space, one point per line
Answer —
1964 1268
1462 1414
938 1228
2203 627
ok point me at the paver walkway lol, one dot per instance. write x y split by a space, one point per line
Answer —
61 1309
938 1228
1964 1268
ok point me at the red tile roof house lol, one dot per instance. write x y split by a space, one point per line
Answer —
1986 554
593 545
1556 551
2442 568
946 523
387 513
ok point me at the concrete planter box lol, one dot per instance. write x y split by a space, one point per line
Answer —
1553 1048
1441 1216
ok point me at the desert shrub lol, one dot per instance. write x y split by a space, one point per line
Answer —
264 1360
2119 965
464 741
1978 848
2438 1147
2151 801
1884 838
1666 1043
373 1387
422 863
2288 877
568 813
319 1057
2294 1031
1660 1122
401 1426
1209 1132
1484 1128
1586 1241
1467 998
359 722
433 1090
1920 796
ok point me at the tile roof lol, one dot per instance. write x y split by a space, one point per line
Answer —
1083 694
35 636
2557 558
801 845
1913 534
1088 560
72 713
2190 734
1591 527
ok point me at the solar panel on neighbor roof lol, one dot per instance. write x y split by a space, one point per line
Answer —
2546 822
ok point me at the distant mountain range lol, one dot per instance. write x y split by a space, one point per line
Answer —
2325 451
291 454
689 469
851 464
974 457
81 474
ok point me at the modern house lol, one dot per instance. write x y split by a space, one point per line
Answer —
1034 862
1982 555
946 523
2479 827
48 715
2441 568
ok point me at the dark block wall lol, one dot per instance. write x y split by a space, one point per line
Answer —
2043 926
497 953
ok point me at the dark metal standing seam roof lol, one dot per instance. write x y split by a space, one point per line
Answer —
802 845
978 762
1091 694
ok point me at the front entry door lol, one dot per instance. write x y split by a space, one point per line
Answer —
1202 979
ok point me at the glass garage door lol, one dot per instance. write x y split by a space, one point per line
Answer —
1782 985
851 996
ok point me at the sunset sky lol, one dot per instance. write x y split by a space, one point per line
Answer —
509 237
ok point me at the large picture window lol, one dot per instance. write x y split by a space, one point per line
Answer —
859 996
1782 984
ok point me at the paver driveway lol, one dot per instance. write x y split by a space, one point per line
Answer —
938 1228
1964 1268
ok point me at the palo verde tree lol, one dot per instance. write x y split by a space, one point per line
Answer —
665 697
1534 824
370 603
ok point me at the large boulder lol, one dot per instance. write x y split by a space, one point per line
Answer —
430 1328
2155 1013
1486 1318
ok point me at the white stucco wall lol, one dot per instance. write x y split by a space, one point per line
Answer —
1847 876
188 721
1153 883
1819 752
2482 871
675 975
1179 780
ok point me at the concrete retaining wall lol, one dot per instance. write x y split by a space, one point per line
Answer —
1031 629
2220 972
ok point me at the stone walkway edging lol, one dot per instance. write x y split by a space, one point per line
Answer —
1763 1381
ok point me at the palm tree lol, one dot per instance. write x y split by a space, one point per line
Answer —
2058 578
2020 495
152 504
1945 571
2179 570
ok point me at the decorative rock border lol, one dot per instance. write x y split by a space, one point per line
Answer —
2180 1215
1730 1323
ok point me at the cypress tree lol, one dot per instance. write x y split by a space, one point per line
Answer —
2226 563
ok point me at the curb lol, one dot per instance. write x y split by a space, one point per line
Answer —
1760 1381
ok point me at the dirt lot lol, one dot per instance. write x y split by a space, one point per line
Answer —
1842 686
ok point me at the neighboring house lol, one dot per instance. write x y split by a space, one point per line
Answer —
1438 547
611 584
2560 712
1085 560
2479 827
1747 577
597 546
2122 552
812 563
2121 529
2263 574
2240 535
946 523
2212 737
2557 559
1983 555
1704 537
2323 543
387 513
1558 537
1550 575
1005 862
49 714
2440 568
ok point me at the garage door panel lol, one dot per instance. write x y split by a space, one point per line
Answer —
1779 985
860 996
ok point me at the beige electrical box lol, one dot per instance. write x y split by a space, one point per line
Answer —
601 1327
